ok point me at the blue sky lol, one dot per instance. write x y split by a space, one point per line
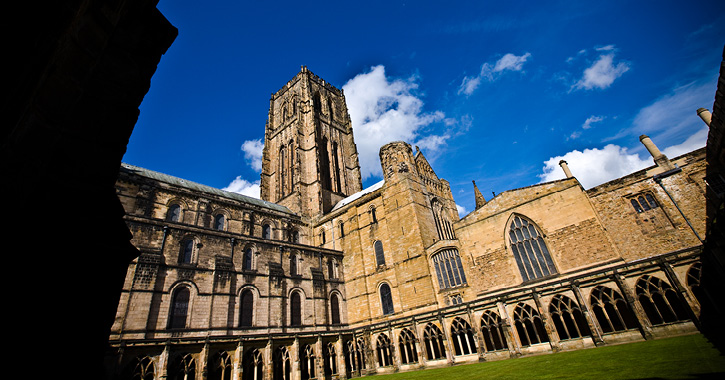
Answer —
496 92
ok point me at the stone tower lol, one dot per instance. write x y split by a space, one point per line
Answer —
310 161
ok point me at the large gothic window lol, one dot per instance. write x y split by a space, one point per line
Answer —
408 351
246 314
219 222
384 350
529 325
179 308
462 336
611 310
568 318
449 268
492 330
379 253
529 249
659 301
386 299
433 340
443 225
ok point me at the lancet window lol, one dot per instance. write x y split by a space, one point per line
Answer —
386 299
568 318
384 350
443 225
282 369
408 351
493 332
463 338
659 301
246 313
179 308
253 365
433 340
529 325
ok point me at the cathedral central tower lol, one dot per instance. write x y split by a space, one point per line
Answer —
310 161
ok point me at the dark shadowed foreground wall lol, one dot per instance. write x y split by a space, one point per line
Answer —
75 75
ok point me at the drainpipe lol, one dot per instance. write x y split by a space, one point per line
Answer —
658 178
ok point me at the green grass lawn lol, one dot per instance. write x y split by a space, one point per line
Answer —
685 357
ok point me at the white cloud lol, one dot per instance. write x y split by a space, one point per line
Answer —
696 141
253 153
491 72
242 186
675 114
384 110
602 73
461 210
593 167
591 120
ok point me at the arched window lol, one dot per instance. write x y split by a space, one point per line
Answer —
379 253
248 262
186 254
331 108
294 269
568 318
322 237
295 236
179 308
335 309
220 366
331 268
611 310
219 222
355 355
433 340
336 167
295 309
174 213
246 314
462 336
141 368
449 268
659 301
307 362
266 232
529 249
384 350
529 325
331 360
324 160
443 225
408 351
253 364
386 299
492 330
282 173
282 365
182 366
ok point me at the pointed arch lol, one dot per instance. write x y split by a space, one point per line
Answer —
529 325
384 350
568 318
307 362
282 365
246 307
220 366
449 268
659 301
433 341
179 310
443 225
462 335
493 332
611 310
253 365
386 298
334 308
407 345
530 251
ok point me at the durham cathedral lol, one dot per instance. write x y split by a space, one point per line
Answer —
322 279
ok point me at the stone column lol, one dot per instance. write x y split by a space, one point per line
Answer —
268 353
296 373
419 346
450 352
204 361
164 363
548 325
319 358
480 347
510 333
340 357
565 168
237 367
644 323
596 331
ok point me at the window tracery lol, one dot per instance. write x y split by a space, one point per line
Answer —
530 251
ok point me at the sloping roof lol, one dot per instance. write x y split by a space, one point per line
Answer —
161 177
357 195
